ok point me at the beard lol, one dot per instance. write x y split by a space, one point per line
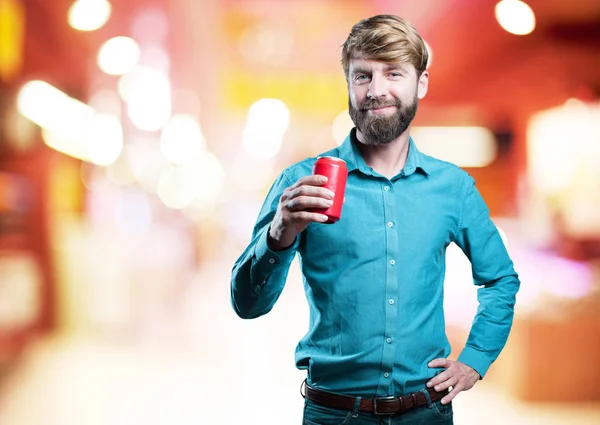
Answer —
381 129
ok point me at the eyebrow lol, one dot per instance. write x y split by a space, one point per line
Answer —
388 67
360 71
392 66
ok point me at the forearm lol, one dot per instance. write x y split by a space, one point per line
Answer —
492 323
258 278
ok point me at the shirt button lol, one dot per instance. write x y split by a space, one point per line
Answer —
271 260
387 375
390 224
391 302
392 262
386 188
389 340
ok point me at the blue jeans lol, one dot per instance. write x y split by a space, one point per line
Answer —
434 414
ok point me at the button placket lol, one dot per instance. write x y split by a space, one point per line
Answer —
391 287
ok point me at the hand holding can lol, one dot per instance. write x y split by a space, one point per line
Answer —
337 173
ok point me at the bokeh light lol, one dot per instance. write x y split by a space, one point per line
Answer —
105 139
342 124
267 122
147 93
118 55
463 146
515 16
106 102
196 182
89 15
181 139
49 107
70 126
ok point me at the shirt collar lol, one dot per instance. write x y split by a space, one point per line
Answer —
348 151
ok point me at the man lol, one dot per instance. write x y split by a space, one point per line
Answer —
376 350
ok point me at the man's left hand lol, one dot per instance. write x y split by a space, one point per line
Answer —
457 375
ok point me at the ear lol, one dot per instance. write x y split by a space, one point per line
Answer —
423 85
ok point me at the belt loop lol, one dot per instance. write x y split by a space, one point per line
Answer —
303 385
356 407
427 397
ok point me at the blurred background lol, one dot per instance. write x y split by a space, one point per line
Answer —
138 139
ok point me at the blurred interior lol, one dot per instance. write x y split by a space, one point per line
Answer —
132 170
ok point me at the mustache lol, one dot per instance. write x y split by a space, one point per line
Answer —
378 103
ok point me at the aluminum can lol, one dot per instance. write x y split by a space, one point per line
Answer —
337 173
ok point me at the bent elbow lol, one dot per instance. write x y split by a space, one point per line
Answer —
246 311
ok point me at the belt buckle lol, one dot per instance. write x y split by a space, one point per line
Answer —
376 411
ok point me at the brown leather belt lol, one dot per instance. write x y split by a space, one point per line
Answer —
378 406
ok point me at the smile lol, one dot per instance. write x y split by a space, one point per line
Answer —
382 110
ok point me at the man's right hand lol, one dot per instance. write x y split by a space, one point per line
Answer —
293 212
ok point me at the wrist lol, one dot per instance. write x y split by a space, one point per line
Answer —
276 244
471 371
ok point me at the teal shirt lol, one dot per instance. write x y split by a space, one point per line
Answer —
375 279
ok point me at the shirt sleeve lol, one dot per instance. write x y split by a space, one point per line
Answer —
259 274
494 273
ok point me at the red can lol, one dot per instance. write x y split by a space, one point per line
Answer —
337 173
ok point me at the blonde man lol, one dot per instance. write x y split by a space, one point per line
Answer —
376 350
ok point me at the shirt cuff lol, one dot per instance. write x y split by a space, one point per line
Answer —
268 260
475 359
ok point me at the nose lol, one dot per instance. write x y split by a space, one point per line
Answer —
377 87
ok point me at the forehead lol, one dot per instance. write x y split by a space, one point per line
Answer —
370 65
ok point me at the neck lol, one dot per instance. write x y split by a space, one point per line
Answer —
387 160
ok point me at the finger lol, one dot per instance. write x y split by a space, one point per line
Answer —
438 379
309 217
450 382
448 398
441 362
306 190
312 180
304 202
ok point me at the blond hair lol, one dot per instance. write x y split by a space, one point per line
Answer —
385 38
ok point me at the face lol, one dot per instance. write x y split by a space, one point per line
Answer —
383 98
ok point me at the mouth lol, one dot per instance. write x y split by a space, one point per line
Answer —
381 110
